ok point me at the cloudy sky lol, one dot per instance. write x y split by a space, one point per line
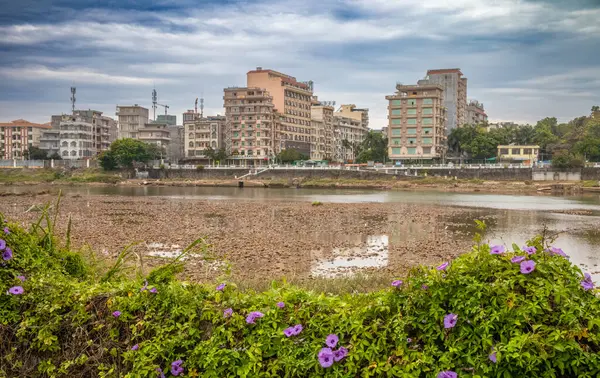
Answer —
525 60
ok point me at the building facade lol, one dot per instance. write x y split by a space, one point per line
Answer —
131 119
351 111
521 154
475 113
17 136
455 94
322 137
251 125
292 99
203 133
417 122
170 120
76 135
350 133
156 133
176 150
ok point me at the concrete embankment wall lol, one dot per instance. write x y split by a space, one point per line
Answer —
497 174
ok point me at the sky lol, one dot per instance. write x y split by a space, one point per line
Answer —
524 60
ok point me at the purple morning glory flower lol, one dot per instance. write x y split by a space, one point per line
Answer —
587 283
409 340
16 290
116 314
145 286
176 368
297 329
6 230
7 254
135 347
160 372
280 304
492 357
2 244
153 290
340 354
517 259
332 340
557 251
21 278
288 332
443 266
221 287
527 266
227 313
450 320
253 316
497 250
529 250
447 374
424 287
396 283
326 357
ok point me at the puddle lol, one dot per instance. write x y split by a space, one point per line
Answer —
347 261
161 250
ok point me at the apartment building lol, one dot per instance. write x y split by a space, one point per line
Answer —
170 120
350 133
176 148
76 133
104 128
455 94
251 125
156 133
203 133
417 122
17 136
131 119
292 100
322 138
351 111
475 113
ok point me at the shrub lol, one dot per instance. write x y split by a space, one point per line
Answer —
317 203
67 323
199 167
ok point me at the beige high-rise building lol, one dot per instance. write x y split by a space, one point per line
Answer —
203 133
131 119
475 113
351 111
251 125
292 99
455 94
322 119
417 122
350 133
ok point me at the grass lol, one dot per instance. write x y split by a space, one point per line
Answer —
591 183
26 175
317 203
16 175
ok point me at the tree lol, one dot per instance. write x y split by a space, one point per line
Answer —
595 108
483 146
290 155
126 152
373 148
36 153
55 156
221 155
544 135
525 135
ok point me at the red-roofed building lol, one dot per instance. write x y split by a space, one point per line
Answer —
17 136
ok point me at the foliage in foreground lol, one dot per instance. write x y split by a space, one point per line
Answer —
71 320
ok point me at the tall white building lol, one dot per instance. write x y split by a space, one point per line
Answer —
131 119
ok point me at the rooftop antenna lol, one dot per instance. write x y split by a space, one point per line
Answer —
196 106
73 90
154 101
202 106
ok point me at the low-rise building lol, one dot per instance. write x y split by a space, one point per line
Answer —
417 122
131 119
156 133
475 113
17 136
515 153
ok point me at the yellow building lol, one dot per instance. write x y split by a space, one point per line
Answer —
518 153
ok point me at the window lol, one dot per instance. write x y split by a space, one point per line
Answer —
412 102
396 141
396 111
428 111
395 102
427 140
258 134
396 121
504 151
412 140
396 151
427 101
427 121
427 130
235 134
396 131
411 121
411 131
516 151
426 150
527 151
411 111
412 150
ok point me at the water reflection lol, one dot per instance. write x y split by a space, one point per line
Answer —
348 261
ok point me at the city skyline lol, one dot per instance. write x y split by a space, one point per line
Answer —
525 60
